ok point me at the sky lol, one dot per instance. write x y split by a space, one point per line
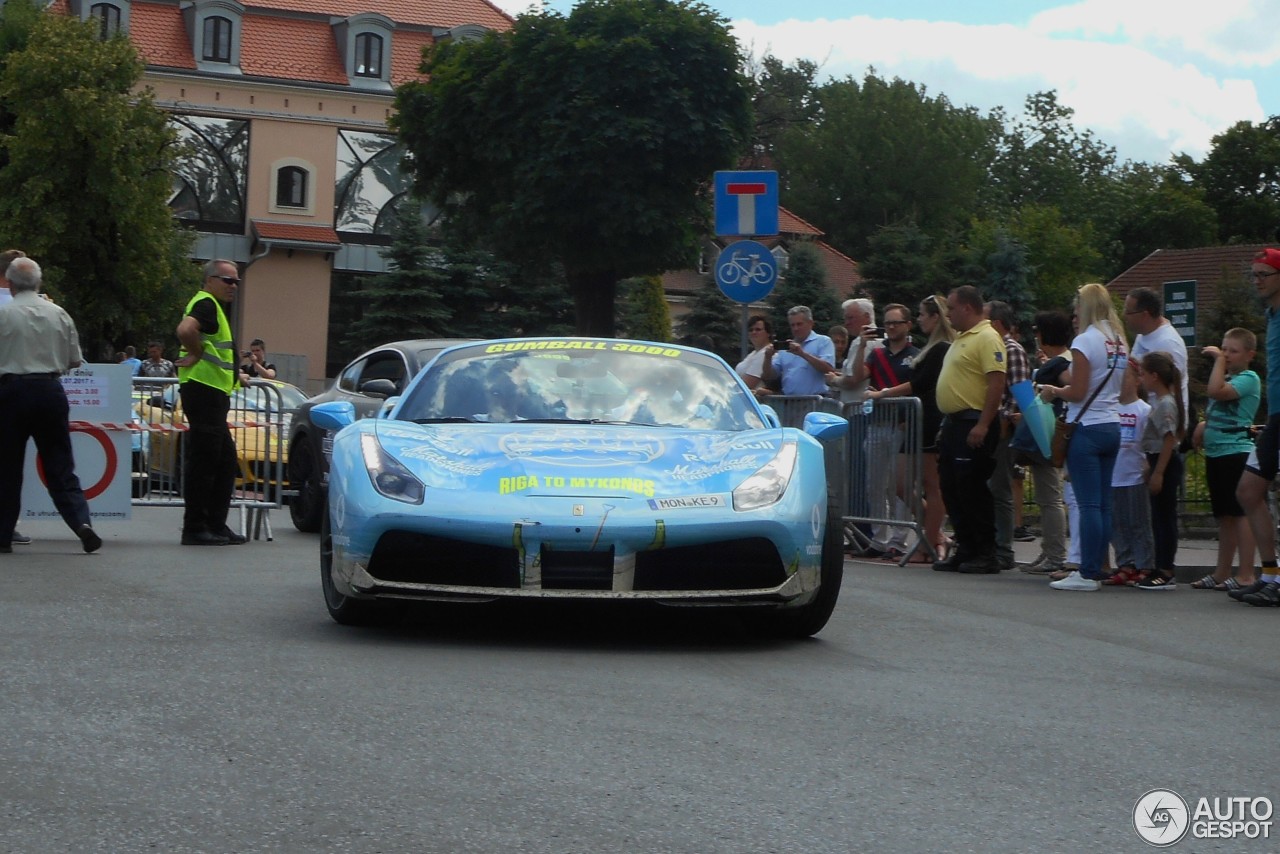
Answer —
1153 78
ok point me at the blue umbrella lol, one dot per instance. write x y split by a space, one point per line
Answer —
1038 414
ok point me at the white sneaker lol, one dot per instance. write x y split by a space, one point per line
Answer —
1076 581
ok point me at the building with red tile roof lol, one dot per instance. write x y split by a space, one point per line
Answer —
291 172
1197 272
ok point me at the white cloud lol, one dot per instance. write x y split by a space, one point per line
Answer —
515 7
1237 33
1130 95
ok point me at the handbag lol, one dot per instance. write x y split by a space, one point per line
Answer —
1063 429
1062 432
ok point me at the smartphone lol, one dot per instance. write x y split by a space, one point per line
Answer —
877 331
782 344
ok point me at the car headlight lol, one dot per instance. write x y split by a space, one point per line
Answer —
389 477
769 483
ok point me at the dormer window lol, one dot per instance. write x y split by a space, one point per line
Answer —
108 17
364 42
214 27
368 55
217 39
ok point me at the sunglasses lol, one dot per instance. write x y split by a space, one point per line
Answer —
227 280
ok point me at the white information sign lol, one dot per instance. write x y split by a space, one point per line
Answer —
101 398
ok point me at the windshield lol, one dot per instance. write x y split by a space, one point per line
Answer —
622 382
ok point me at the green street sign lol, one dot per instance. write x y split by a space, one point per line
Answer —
1180 308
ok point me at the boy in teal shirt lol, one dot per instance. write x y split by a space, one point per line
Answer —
1234 394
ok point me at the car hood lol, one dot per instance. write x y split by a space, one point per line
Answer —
579 459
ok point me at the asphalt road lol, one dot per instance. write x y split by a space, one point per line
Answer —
162 698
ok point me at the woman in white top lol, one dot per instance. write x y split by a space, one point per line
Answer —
760 335
1100 354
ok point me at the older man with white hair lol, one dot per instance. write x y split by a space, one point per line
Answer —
38 342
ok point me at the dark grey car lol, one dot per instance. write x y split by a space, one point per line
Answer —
366 382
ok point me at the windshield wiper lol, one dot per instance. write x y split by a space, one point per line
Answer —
447 419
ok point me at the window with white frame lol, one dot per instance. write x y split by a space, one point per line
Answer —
294 189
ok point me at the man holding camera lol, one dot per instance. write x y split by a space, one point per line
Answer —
254 362
803 362
207 377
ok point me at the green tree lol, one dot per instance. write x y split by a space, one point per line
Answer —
1241 179
782 99
643 311
1061 257
713 316
881 153
804 283
86 185
584 138
1161 209
897 266
407 301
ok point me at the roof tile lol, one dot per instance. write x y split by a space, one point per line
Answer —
296 232
1207 266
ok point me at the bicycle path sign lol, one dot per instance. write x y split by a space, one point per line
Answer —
746 271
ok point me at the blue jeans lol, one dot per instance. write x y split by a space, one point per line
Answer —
1091 457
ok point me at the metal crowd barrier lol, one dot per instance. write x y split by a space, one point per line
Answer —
791 409
884 464
260 426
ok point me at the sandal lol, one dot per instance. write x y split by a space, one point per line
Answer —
1207 583
1060 574
1122 577
921 556
893 555
1231 584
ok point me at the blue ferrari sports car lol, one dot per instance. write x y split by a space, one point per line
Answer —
581 468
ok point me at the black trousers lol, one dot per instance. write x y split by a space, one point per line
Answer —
37 409
208 458
963 473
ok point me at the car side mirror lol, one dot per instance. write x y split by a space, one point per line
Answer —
333 415
770 415
379 388
387 405
825 427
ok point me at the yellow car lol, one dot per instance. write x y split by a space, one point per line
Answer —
260 417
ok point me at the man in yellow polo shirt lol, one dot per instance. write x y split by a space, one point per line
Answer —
970 388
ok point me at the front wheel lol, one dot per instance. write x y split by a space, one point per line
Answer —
343 609
305 508
809 619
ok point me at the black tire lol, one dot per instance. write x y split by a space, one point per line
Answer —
810 618
343 609
307 507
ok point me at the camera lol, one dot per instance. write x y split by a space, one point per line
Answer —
876 331
781 344
244 354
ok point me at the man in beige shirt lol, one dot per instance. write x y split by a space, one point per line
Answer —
38 342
